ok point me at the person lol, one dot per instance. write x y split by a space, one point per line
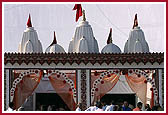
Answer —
104 105
115 108
99 107
147 107
49 108
125 107
79 107
92 108
110 107
11 107
139 107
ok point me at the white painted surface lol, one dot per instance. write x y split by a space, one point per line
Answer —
88 44
7 88
30 42
132 46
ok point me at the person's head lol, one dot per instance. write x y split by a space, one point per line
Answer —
11 105
139 105
125 103
147 106
115 108
99 105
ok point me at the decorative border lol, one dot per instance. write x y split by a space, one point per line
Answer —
66 80
19 79
85 58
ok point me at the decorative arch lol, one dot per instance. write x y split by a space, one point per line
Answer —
100 80
146 75
20 78
66 79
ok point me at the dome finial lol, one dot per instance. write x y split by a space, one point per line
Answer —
135 21
54 40
84 17
109 40
29 24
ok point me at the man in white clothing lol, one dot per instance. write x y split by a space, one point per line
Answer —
79 107
92 108
110 107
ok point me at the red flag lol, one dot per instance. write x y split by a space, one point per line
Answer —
29 24
109 40
78 9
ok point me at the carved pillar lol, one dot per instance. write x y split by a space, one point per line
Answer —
83 88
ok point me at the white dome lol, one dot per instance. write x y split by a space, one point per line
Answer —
55 48
111 48
83 46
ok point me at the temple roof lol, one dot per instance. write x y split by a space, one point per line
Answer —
54 47
136 41
110 47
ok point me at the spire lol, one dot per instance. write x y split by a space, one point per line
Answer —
135 21
109 40
83 13
54 40
29 24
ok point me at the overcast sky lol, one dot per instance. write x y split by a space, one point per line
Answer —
47 18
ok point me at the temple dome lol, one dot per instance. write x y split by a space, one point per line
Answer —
132 45
30 42
110 47
54 47
80 45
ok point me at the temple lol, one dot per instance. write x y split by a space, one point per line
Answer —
34 79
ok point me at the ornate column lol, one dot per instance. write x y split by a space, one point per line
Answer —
83 87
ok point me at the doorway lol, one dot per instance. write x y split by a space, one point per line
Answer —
43 100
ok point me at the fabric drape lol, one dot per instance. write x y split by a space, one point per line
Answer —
63 89
25 88
107 83
138 85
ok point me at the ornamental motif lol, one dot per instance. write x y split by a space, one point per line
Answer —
85 58
83 89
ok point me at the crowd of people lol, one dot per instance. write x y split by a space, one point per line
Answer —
125 106
98 106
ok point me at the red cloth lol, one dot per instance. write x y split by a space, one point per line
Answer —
78 9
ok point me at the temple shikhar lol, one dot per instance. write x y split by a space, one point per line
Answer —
36 77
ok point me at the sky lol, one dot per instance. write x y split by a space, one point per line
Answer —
47 18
